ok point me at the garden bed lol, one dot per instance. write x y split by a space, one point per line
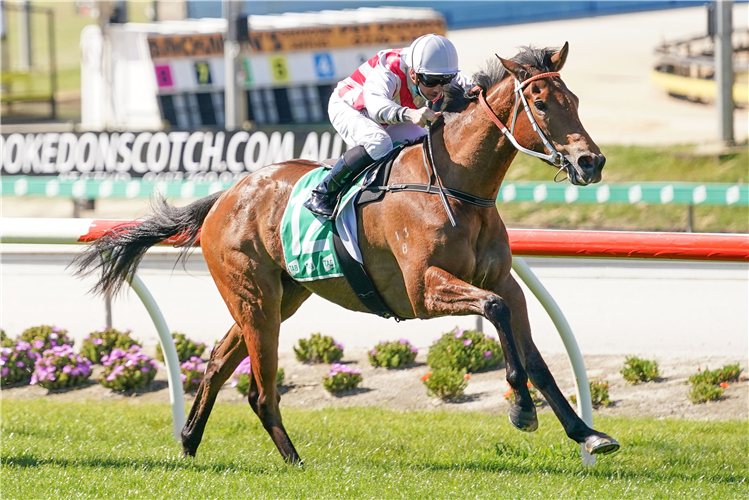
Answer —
402 389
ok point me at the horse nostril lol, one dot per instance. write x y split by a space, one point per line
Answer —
586 162
589 162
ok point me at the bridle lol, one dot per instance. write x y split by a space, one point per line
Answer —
556 158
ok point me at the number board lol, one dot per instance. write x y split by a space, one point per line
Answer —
279 68
203 73
163 75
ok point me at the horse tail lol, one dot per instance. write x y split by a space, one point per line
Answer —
118 252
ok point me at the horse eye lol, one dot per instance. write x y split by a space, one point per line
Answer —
540 105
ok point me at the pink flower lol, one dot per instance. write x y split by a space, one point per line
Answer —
467 342
487 354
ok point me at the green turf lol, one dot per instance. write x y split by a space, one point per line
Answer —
125 450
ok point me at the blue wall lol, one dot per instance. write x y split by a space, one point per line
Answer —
459 14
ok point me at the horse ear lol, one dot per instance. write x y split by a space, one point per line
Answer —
558 59
515 69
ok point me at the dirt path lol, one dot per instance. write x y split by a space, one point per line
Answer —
403 390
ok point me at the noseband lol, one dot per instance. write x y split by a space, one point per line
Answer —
556 158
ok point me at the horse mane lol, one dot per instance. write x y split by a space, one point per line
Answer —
456 99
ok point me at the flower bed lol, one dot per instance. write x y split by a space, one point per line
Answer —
45 337
185 347
191 373
638 370
446 383
17 363
318 349
59 367
341 378
126 370
467 350
599 393
101 343
708 385
396 354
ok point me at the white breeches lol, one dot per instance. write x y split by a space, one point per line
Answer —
355 127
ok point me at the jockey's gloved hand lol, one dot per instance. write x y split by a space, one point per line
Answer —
421 116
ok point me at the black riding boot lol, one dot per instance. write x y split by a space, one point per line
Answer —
324 197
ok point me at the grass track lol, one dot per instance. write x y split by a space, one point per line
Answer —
125 450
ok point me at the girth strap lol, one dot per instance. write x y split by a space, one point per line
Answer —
432 189
359 280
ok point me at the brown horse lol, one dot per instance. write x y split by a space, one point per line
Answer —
439 268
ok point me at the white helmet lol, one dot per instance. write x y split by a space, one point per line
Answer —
432 55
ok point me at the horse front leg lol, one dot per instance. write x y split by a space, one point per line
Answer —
225 358
447 295
595 442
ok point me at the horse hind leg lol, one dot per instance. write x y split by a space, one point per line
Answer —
294 296
262 345
225 358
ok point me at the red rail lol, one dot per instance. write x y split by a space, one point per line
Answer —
610 244
639 245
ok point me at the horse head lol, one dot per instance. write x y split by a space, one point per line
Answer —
536 112
554 108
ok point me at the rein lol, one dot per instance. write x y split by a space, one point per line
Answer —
556 158
438 188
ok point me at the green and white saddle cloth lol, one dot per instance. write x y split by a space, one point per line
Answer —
308 240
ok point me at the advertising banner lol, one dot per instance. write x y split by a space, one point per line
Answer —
203 156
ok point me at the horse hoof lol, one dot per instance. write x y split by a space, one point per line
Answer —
188 450
601 444
525 420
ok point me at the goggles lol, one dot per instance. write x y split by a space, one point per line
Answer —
434 80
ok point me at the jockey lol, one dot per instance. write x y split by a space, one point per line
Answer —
386 100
